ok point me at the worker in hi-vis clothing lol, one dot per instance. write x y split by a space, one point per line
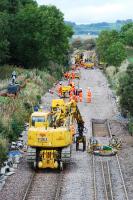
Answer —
60 89
80 95
89 95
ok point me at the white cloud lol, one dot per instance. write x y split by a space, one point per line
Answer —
89 11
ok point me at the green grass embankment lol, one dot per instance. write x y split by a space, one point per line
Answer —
15 112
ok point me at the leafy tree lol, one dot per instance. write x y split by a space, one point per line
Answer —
126 27
129 37
105 39
110 49
13 6
125 91
37 36
4 43
40 36
115 54
26 2
126 34
23 42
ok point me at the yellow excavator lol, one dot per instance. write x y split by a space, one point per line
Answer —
50 134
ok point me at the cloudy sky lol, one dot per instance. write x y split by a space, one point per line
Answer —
89 11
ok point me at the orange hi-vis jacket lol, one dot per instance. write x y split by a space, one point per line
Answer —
71 94
76 98
73 75
73 89
89 95
60 90
80 96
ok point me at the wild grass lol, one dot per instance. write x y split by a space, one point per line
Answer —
114 75
15 112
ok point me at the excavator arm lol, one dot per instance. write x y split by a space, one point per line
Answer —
74 111
70 110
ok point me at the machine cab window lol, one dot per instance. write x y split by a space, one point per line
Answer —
37 119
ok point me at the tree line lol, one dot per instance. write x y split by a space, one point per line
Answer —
32 35
111 48
111 44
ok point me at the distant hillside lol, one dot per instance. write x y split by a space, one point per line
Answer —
96 28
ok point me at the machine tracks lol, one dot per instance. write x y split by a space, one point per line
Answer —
108 180
44 186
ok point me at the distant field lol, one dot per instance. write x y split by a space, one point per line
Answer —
130 55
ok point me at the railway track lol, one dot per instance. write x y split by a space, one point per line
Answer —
44 186
108 180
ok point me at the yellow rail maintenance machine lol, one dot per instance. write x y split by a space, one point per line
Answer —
50 134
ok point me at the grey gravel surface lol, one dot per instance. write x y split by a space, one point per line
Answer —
17 183
44 186
78 179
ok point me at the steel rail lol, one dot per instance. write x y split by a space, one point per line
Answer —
94 177
110 183
58 190
25 197
119 166
105 187
122 178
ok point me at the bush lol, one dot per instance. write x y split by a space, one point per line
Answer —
17 125
3 150
125 90
130 125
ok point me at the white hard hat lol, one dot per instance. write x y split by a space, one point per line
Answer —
80 88
60 83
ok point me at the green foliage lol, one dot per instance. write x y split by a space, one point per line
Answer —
110 49
14 6
3 150
17 125
115 54
4 43
130 54
125 91
37 35
126 34
129 37
14 113
126 27
130 125
4 4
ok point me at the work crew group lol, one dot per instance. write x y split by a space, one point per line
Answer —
75 94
